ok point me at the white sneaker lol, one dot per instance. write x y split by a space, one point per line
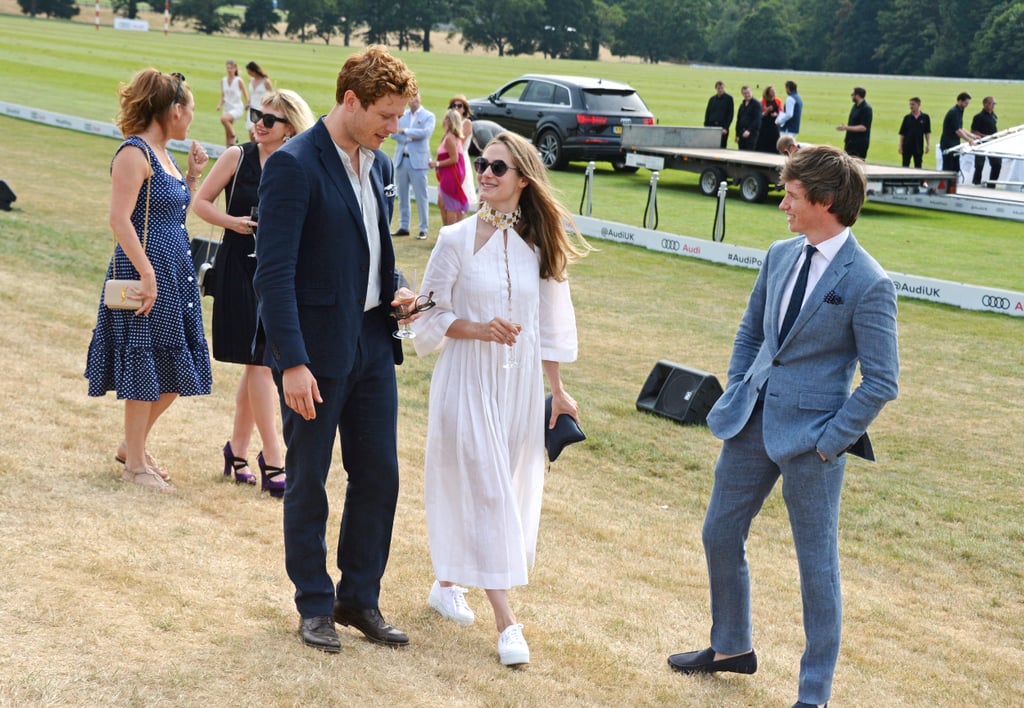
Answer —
451 604
512 647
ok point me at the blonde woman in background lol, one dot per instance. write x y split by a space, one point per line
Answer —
460 104
450 167
233 100
259 85
282 115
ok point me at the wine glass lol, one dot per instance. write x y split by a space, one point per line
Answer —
511 357
406 299
254 217
406 304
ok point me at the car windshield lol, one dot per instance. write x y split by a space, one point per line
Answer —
603 101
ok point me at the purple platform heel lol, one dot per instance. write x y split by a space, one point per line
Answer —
268 475
236 464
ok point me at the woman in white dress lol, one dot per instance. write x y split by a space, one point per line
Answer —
503 319
259 86
460 104
233 100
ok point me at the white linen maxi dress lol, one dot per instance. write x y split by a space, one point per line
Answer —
484 469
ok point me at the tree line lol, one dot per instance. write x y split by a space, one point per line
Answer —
963 38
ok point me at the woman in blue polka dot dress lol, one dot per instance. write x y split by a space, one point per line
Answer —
151 355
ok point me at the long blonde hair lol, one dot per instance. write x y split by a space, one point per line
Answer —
544 223
454 120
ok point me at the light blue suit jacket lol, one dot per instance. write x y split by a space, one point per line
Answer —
415 140
848 319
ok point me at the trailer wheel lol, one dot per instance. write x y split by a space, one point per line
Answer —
710 179
549 145
754 187
621 166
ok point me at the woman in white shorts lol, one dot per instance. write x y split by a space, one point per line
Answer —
233 100
259 86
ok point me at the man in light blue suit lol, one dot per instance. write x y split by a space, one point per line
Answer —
788 411
325 280
412 160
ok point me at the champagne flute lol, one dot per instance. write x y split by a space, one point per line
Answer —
406 299
254 217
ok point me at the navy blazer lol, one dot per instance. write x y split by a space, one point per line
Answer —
312 255
847 322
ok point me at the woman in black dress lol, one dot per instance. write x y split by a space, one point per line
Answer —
771 105
237 173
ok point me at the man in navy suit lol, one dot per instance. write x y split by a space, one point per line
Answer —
325 280
788 412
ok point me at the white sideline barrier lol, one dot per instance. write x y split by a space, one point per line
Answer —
123 23
967 297
946 292
94 127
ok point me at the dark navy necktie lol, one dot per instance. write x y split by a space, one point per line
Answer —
796 300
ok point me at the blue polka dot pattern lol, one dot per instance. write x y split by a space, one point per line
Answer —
143 357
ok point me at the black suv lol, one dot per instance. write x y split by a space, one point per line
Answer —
567 117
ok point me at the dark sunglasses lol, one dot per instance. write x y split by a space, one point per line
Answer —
177 91
420 304
268 120
456 104
498 167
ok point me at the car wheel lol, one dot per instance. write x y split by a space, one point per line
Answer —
621 166
754 187
550 147
710 179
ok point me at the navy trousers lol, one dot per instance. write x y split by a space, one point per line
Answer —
363 408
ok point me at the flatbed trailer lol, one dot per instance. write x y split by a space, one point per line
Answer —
994 203
659 147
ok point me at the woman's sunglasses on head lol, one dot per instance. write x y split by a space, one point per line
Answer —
268 120
177 89
498 167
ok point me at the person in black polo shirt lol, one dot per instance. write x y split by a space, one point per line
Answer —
985 124
858 125
952 131
915 134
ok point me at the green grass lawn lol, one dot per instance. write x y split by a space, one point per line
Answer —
113 596
72 68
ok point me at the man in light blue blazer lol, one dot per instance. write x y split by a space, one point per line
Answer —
788 411
412 160
325 280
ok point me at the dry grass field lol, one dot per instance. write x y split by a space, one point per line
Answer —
112 595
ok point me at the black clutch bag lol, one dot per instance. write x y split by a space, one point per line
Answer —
565 432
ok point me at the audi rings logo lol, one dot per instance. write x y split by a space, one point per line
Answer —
670 244
999 303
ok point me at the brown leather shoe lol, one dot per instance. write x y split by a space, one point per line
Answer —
371 624
319 633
